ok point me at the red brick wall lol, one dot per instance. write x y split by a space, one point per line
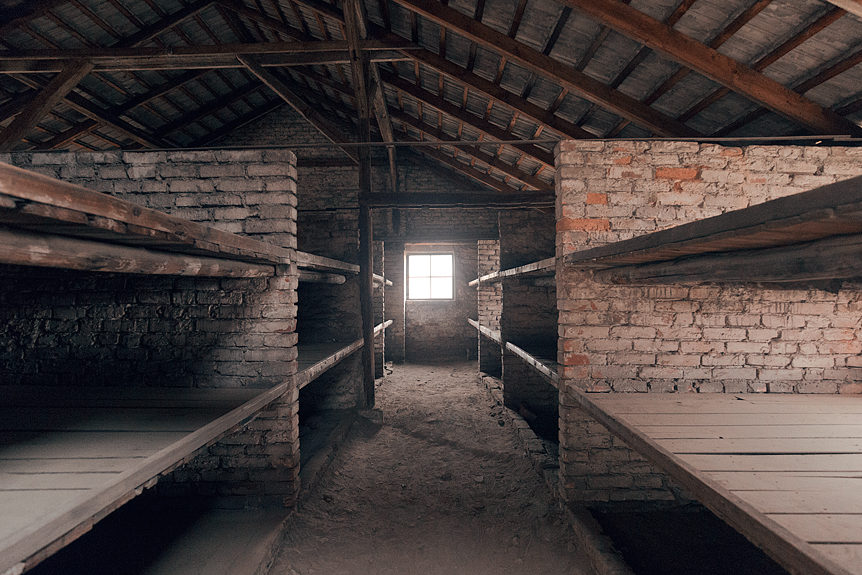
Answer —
680 338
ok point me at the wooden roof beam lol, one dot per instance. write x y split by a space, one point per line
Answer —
712 64
52 94
88 108
299 104
357 28
577 82
769 59
852 6
475 122
489 159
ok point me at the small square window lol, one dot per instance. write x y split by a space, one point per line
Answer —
429 276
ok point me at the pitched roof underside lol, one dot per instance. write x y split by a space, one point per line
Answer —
468 70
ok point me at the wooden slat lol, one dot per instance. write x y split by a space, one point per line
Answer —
789 481
742 79
60 524
540 362
844 463
833 497
45 250
420 199
305 260
848 556
852 6
835 209
487 332
759 431
534 269
47 198
842 528
740 510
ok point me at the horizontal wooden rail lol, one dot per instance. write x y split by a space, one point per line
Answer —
535 269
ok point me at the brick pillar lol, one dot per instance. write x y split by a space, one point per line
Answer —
490 301
379 310
394 266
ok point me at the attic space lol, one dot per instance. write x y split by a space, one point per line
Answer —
379 286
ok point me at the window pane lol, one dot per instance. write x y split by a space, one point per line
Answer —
419 288
441 265
419 266
441 288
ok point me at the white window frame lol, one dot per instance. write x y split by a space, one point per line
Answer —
451 277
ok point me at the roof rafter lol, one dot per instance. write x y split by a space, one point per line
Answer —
52 94
716 66
296 102
578 82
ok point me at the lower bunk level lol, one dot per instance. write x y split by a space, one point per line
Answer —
783 470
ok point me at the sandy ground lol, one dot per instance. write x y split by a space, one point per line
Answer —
439 487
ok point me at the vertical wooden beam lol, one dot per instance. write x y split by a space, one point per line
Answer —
361 71
50 96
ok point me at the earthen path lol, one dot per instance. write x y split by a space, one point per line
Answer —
440 487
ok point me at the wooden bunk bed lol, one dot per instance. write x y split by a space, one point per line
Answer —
541 358
781 469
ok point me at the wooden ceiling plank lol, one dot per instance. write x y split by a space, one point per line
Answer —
773 56
578 82
516 19
476 122
464 169
25 12
852 6
297 103
246 119
15 104
492 161
491 90
69 135
716 66
50 96
146 34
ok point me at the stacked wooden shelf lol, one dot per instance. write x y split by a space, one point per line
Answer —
72 456
815 235
781 469
49 223
316 358
543 361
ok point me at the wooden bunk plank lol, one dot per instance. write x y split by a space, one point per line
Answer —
738 509
832 529
539 361
53 201
832 462
61 524
787 481
546 267
831 210
25 248
848 556
755 430
491 334
309 261
315 359
321 278
667 420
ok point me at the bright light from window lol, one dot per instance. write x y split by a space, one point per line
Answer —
429 276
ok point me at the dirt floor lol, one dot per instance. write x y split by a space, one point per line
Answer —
441 486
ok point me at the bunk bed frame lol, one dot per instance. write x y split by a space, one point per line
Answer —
77 459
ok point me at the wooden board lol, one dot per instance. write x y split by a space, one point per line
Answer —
546 267
540 361
42 204
493 335
831 210
60 473
784 470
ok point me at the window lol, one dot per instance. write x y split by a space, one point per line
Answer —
429 276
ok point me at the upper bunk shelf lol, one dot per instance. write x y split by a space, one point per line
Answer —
486 331
543 268
316 358
50 223
814 235
319 269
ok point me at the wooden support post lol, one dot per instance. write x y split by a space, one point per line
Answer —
360 66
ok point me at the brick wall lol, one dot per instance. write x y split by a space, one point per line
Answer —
490 306
439 329
395 304
69 328
379 315
679 338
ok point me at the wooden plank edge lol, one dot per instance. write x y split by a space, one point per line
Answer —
305 260
25 248
487 332
321 277
21 546
546 264
380 280
382 326
311 373
30 186
825 201
789 551
549 374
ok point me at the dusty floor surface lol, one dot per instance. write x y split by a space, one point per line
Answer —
439 487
